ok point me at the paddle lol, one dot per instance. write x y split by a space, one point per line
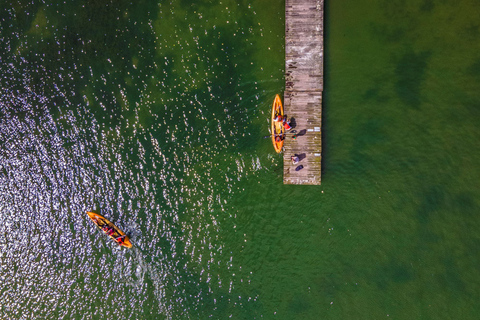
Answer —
278 134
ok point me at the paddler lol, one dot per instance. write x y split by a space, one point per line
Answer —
108 230
120 240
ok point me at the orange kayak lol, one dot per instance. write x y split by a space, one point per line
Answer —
103 224
278 130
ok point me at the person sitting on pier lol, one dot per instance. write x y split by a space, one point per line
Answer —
286 123
295 159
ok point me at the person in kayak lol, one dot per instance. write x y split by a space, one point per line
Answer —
120 240
108 230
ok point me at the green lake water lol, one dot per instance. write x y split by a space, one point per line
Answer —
153 114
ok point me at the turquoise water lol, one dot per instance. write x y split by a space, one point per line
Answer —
153 115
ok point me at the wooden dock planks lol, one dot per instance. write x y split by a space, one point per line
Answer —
303 90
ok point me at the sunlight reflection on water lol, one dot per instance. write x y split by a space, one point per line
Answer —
152 148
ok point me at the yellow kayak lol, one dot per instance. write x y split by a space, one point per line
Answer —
278 130
110 229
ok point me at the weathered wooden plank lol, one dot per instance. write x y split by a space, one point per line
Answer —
303 89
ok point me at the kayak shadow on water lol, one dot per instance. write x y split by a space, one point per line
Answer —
133 234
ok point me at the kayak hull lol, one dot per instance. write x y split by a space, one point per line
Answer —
101 221
277 128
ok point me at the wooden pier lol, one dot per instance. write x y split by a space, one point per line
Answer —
303 90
